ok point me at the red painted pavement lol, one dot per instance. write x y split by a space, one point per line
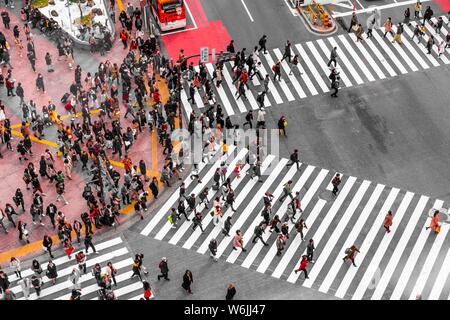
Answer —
211 34
443 4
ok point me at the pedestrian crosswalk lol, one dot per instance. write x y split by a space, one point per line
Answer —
114 250
373 59
402 264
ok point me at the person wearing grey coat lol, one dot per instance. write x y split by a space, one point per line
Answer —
25 284
74 279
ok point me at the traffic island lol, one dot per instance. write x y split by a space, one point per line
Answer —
317 18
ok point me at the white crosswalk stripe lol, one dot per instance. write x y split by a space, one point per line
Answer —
388 51
421 46
355 57
311 67
409 266
282 83
354 217
113 250
345 61
223 96
362 62
291 77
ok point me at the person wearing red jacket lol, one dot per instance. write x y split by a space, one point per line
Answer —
10 87
244 78
156 97
303 266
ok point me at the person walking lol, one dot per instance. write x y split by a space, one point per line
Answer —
80 257
333 57
77 226
15 265
213 249
353 22
388 27
47 244
398 34
388 221
25 285
287 52
280 242
74 279
23 231
227 226
164 268
2 218
430 43
36 268
427 15
154 187
230 200
282 124
173 217
407 17
68 247
276 68
136 269
299 226
48 62
238 241
441 48
418 10
197 221
293 158
40 83
287 191
187 281
262 44
51 272
359 33
36 282
111 271
303 266
370 25
351 254
335 86
231 291
435 222
336 182
88 242
310 250
147 290
259 230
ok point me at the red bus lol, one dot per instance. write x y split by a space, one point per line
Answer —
170 14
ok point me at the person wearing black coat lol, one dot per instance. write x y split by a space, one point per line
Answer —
154 187
51 272
187 281
231 291
163 266
4 281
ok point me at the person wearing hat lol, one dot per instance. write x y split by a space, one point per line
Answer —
163 266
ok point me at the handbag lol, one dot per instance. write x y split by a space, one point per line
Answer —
437 229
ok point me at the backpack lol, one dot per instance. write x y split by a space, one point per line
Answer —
274 68
348 251
60 178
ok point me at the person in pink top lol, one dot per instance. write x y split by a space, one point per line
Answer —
238 241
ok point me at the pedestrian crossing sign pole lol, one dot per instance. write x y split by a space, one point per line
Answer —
204 54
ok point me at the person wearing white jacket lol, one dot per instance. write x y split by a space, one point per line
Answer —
25 284
15 266
74 279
